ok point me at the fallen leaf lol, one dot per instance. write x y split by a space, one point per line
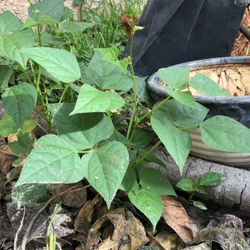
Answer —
74 198
166 241
202 246
84 218
123 232
175 215
60 228
228 234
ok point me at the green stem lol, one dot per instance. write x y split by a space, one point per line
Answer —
135 99
149 152
191 197
80 10
39 30
43 98
32 70
158 105
25 74
63 93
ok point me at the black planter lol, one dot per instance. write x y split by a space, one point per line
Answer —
177 31
237 108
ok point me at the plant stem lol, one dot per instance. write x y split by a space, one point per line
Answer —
39 30
63 93
80 11
25 74
135 99
158 105
149 152
32 70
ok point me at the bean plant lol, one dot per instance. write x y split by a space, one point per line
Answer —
96 120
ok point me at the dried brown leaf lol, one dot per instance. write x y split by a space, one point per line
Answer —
166 241
175 215
128 22
123 232
84 218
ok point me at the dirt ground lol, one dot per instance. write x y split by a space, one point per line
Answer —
20 7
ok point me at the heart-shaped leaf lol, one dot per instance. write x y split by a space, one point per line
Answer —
148 203
11 46
9 23
176 141
83 131
183 116
176 77
61 64
225 134
206 86
154 181
183 97
107 72
91 100
52 161
107 166
19 102
7 126
47 8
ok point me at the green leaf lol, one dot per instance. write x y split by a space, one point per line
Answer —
199 204
183 97
52 161
142 138
107 166
155 182
148 203
11 45
211 179
107 72
61 64
9 23
206 86
74 27
129 180
177 142
23 145
28 126
5 74
19 102
52 9
183 116
186 185
225 134
175 77
7 126
83 131
91 100
35 193
141 90
67 13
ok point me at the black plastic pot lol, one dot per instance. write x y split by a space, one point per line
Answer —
237 108
177 31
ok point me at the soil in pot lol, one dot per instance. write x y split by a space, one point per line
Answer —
233 78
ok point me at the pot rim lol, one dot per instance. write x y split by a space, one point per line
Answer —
153 85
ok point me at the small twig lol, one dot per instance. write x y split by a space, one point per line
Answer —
25 237
19 229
